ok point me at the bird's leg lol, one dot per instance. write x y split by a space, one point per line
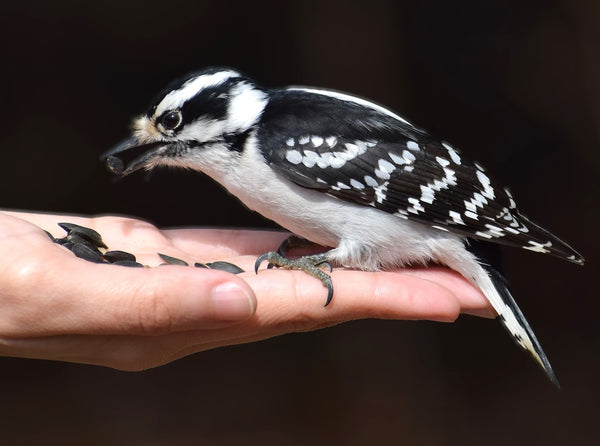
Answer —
309 264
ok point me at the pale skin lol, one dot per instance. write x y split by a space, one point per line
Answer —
56 306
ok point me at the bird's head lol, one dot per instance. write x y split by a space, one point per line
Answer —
206 111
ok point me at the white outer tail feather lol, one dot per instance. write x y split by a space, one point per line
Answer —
493 286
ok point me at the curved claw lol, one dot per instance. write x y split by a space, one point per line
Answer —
327 264
261 258
329 286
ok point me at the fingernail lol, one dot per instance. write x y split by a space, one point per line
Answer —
232 303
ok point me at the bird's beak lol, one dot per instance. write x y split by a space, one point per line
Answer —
132 155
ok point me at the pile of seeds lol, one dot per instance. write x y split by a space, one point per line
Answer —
87 244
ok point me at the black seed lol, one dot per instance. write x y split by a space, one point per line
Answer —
76 239
225 266
61 241
67 245
172 260
118 256
115 165
129 263
85 252
87 233
51 236
200 265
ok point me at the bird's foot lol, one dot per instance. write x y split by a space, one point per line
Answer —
309 264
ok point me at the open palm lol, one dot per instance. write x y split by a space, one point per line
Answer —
54 305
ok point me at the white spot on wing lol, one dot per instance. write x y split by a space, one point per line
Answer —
495 231
456 217
382 174
310 158
370 181
397 159
351 150
293 156
470 206
356 184
512 203
479 200
427 194
408 157
381 191
538 247
411 145
479 166
416 206
442 161
337 162
324 160
386 166
316 141
488 190
452 152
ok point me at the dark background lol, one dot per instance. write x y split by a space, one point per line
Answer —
515 85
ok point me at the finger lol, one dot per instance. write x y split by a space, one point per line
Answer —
472 301
389 295
79 297
291 301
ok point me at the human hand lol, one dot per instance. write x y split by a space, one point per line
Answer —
54 305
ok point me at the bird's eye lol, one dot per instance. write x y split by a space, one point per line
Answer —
171 120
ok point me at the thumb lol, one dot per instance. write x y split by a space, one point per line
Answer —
110 299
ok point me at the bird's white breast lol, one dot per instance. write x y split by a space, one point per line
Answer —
363 237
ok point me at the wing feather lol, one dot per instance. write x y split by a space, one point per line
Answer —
367 157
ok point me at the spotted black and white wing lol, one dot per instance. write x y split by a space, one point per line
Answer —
360 152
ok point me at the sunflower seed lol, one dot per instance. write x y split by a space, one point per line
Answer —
61 241
130 263
67 244
115 165
87 233
225 266
75 239
118 256
172 260
85 252
200 265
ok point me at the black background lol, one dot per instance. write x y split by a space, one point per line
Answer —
515 85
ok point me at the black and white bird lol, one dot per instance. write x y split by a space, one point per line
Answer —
342 172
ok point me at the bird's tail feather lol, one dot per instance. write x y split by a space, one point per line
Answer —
541 240
495 289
